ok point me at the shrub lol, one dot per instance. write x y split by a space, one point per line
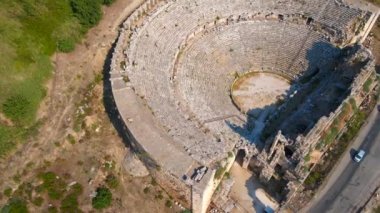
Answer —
159 196
107 2
69 203
313 178
17 177
376 210
102 199
66 45
98 78
68 34
169 203
77 189
227 175
24 191
52 209
8 192
307 157
112 181
38 201
230 154
15 205
146 190
330 136
320 145
54 186
153 182
71 138
88 12
353 103
16 107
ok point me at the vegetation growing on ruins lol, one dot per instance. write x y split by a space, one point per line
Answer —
307 157
338 123
31 31
338 146
219 172
367 85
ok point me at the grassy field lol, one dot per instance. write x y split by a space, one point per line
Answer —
30 32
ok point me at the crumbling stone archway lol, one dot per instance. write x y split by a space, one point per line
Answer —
240 157
243 158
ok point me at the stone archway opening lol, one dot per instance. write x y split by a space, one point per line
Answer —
240 156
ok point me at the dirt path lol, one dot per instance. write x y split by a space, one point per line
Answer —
73 72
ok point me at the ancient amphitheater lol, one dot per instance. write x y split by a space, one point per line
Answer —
199 82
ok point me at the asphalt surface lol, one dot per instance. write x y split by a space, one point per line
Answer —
351 184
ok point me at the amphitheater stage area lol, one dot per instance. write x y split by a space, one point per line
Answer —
197 82
258 91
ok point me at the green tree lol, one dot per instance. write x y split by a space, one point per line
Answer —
15 205
107 2
102 199
88 12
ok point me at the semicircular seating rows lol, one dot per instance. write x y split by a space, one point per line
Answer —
199 88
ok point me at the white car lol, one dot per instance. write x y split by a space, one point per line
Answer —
359 156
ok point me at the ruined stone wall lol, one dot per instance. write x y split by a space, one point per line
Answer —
310 141
202 192
173 185
274 152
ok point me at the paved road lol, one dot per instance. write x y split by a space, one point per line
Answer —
351 184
